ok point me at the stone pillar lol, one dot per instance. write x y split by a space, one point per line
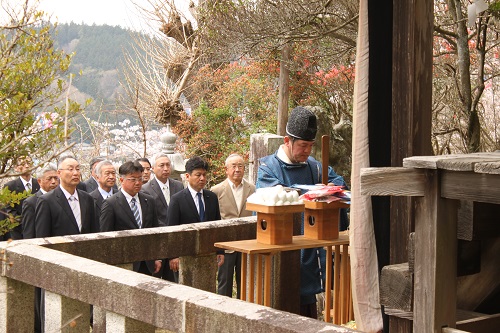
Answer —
199 272
99 314
261 144
63 314
16 306
116 323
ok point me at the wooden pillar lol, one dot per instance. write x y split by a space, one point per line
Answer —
16 306
411 114
435 284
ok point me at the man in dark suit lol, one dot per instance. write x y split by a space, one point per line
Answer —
66 210
146 175
161 188
23 183
91 183
106 178
194 204
48 180
131 209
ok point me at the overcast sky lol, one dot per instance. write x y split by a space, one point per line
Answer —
110 12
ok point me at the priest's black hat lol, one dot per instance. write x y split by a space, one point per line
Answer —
302 124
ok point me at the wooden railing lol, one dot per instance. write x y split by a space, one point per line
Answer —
79 270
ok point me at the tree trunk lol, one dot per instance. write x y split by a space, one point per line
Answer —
284 90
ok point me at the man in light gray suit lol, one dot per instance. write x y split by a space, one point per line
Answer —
232 194
161 188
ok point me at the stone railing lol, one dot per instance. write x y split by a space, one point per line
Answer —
79 270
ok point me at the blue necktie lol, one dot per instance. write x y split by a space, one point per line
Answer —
135 211
202 208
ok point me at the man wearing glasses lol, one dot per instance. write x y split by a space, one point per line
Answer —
66 210
130 209
48 180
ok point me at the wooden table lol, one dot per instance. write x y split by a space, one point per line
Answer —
437 183
251 249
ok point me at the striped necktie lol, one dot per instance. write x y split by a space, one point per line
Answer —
135 211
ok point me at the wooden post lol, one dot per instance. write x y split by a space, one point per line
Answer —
435 260
325 155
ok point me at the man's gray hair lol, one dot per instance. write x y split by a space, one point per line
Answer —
63 158
158 156
98 167
231 156
42 171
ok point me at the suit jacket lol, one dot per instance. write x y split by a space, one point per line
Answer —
98 200
153 189
16 185
53 215
116 215
227 202
182 209
28 217
90 185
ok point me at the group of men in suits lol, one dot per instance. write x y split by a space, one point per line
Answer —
63 205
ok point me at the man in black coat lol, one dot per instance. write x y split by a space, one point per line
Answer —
106 178
91 183
66 210
162 188
48 180
23 183
194 204
130 209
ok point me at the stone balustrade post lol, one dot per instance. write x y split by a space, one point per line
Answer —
16 306
63 314
199 272
116 323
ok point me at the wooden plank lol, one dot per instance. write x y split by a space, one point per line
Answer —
435 260
396 287
392 181
258 275
483 324
461 315
267 280
425 162
440 161
470 186
243 284
466 163
452 330
275 209
299 242
328 278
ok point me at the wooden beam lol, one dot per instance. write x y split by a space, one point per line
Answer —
470 186
484 324
396 287
393 181
435 260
